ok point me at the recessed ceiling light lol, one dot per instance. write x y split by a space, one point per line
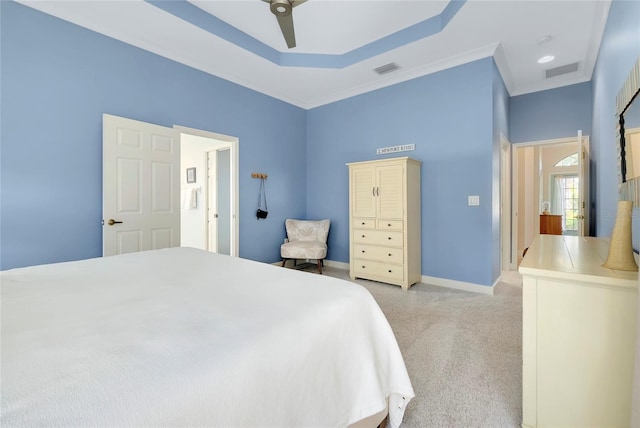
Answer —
546 59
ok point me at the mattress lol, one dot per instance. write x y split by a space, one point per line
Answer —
184 337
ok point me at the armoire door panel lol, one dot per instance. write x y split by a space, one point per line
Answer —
364 202
390 192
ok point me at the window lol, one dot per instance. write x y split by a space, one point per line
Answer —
565 200
571 189
570 160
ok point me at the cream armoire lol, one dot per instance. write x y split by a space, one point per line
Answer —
384 221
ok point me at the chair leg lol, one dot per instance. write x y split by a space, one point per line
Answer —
320 266
283 262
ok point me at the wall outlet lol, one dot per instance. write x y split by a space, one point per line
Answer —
474 200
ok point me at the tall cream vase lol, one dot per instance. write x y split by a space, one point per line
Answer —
620 249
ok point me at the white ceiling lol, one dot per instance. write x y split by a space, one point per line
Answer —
335 31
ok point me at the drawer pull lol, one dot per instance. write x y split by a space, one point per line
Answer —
363 236
389 224
389 238
389 254
363 223
389 270
363 252
363 267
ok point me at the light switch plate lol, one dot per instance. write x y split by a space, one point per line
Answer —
474 200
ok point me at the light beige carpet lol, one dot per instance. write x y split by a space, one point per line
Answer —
463 351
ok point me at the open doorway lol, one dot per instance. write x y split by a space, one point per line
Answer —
550 190
209 191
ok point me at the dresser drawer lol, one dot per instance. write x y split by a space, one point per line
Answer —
383 254
364 223
384 270
378 237
390 224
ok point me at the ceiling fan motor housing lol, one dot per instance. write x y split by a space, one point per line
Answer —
281 7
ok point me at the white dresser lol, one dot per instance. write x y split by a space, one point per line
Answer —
384 221
578 338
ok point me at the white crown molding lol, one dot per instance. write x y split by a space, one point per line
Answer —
598 26
83 14
556 82
403 76
503 68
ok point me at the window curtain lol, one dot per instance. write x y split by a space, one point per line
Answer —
558 196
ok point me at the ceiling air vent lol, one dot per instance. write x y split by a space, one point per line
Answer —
387 68
563 69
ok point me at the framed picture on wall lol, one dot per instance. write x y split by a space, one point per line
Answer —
191 175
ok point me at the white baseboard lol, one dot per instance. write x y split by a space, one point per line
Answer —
459 285
496 282
339 265
430 280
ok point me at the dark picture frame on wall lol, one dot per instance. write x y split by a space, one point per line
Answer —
191 175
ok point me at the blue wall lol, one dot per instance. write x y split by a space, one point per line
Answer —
551 114
619 50
57 81
448 116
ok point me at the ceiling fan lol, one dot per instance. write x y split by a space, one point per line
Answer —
282 10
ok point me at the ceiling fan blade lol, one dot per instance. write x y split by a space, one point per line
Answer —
286 25
295 3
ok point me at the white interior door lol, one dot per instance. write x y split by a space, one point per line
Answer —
140 188
583 193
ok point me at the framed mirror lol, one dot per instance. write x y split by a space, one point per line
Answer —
628 135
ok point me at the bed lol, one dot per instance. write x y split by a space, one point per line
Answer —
184 337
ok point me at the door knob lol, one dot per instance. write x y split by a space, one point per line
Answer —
111 222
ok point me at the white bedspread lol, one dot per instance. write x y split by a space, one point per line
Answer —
183 337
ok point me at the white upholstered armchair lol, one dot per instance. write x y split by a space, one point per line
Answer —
307 239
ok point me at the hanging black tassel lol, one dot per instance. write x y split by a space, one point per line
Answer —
262 194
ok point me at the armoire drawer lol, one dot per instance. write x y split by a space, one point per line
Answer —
390 224
364 223
384 270
378 237
383 254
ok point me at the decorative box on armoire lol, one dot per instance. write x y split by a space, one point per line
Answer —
384 221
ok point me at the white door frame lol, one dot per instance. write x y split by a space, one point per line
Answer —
506 251
233 144
514 212
212 200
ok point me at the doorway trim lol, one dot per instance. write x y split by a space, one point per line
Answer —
233 144
578 139
506 249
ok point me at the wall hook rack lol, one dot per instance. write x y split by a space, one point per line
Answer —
258 175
